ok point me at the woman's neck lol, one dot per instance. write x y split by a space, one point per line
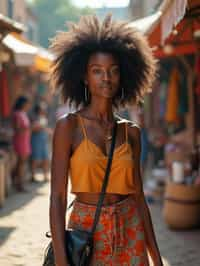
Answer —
101 110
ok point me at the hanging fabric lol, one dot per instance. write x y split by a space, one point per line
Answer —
197 72
163 92
197 94
4 95
172 104
183 95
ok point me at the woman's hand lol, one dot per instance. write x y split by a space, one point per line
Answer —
158 261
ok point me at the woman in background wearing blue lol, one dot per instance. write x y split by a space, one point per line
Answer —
39 141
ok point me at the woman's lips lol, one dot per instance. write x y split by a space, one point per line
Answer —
106 87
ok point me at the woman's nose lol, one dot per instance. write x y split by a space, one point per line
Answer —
106 75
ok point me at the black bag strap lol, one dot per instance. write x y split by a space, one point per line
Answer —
105 181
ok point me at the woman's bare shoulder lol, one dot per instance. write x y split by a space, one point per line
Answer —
133 130
127 121
65 125
66 120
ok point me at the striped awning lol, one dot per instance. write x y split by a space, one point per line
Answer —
24 53
9 25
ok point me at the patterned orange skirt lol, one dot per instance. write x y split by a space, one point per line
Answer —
119 237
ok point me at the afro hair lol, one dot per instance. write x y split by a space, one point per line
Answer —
73 48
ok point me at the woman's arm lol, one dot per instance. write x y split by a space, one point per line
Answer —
59 181
17 124
152 246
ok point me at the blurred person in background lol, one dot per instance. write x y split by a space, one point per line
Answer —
21 140
40 141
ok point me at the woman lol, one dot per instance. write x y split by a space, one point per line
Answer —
40 141
21 140
101 66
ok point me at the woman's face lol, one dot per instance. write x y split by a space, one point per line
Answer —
26 106
102 75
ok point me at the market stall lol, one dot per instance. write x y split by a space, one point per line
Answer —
173 108
7 25
22 69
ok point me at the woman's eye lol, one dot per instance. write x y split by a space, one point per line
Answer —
115 71
96 71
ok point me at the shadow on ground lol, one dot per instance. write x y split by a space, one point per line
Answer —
4 233
21 198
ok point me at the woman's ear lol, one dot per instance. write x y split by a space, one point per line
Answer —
85 78
86 81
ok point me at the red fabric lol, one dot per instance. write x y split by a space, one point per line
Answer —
4 95
197 88
119 238
197 70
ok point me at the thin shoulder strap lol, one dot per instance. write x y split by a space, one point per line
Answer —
105 181
126 131
82 126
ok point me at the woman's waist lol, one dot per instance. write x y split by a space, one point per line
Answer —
92 198
39 134
21 138
116 188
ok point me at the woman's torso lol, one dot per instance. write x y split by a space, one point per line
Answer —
40 136
21 138
89 158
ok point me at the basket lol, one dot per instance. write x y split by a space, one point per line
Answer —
182 206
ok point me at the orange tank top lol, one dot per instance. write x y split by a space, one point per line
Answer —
88 165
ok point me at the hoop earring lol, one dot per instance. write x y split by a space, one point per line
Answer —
122 95
86 94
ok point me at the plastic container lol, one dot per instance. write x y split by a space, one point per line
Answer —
178 172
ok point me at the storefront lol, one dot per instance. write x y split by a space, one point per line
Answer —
6 159
23 68
173 107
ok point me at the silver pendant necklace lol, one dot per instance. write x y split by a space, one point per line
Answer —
108 138
109 134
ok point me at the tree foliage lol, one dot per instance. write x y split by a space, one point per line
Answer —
52 16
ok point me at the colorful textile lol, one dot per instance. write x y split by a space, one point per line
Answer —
163 90
172 115
119 237
4 95
183 96
197 71
197 94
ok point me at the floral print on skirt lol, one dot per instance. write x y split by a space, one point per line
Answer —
119 237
